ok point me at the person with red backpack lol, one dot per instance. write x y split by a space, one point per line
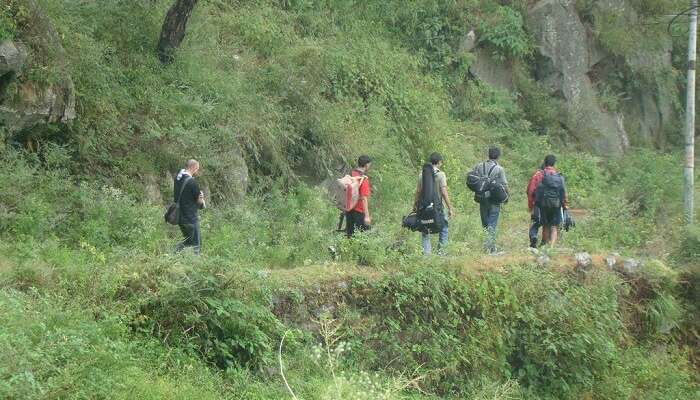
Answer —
359 217
546 192
534 210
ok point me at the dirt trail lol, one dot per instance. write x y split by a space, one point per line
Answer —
313 276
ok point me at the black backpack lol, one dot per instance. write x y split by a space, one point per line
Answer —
429 208
484 186
549 192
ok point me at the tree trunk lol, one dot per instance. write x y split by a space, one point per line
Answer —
173 30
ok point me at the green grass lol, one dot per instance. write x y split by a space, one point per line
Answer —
95 305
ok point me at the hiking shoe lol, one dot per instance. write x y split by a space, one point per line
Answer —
333 251
533 243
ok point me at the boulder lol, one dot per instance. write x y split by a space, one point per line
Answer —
611 261
492 70
229 176
468 42
649 109
583 260
629 267
12 58
24 103
151 189
564 56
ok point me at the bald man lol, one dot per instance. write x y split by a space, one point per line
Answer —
191 199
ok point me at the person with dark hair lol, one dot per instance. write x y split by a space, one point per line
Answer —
494 153
546 200
359 217
191 200
490 209
442 196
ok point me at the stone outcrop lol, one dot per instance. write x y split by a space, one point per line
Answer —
565 55
25 104
648 109
488 68
572 66
230 176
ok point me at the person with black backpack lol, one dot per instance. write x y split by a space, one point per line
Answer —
532 208
431 193
550 199
190 200
488 182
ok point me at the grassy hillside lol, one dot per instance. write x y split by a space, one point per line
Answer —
94 304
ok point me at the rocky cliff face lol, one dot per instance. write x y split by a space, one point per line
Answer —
565 56
570 63
27 103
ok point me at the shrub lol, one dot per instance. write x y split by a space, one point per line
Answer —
200 310
554 336
7 22
689 250
504 29
49 350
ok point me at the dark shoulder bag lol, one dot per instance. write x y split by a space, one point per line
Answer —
172 213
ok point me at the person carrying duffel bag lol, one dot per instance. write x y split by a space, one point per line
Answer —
431 197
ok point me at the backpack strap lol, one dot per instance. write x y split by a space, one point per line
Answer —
361 178
491 170
182 189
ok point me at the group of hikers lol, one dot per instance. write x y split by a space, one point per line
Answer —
432 210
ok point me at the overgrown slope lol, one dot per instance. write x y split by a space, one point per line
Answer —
278 96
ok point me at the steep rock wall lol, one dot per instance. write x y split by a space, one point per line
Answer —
27 103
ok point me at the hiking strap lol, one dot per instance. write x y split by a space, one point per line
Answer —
182 189
490 171
361 178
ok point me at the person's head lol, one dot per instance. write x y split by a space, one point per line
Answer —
364 162
436 159
192 166
494 153
550 160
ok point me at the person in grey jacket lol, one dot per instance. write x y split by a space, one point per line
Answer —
489 211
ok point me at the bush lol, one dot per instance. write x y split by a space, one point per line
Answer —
555 337
52 351
7 22
203 311
504 29
689 250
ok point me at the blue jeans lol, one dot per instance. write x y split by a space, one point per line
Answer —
489 220
442 241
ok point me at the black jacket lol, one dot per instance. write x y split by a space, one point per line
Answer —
188 203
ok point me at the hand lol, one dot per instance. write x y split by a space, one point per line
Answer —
200 199
450 212
529 209
368 220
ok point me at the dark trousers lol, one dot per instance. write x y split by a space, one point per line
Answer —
535 227
355 220
192 238
489 219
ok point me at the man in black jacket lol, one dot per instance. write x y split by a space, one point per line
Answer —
191 199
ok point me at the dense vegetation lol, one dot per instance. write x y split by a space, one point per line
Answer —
94 305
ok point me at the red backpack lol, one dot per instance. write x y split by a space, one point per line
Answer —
345 191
